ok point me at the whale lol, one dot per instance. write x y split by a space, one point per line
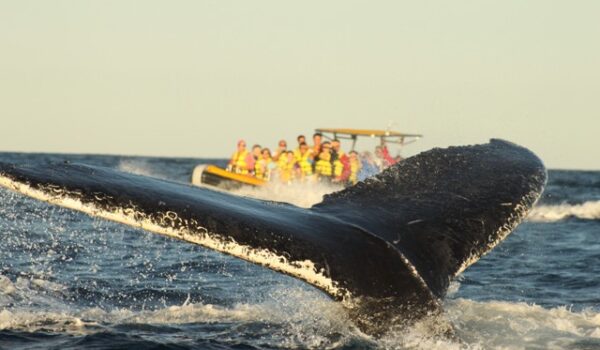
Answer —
386 248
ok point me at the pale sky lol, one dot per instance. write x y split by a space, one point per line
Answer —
189 78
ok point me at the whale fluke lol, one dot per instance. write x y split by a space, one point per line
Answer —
387 248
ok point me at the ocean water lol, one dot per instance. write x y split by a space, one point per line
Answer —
69 281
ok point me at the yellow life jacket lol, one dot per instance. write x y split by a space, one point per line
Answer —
262 170
304 162
238 162
282 160
286 171
338 166
323 167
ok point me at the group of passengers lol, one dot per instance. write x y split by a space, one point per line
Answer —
323 161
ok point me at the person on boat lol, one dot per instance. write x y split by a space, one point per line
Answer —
281 150
304 161
323 166
383 157
316 147
241 161
368 166
264 166
301 139
256 154
355 167
287 170
340 162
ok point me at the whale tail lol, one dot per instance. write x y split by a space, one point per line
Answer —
387 247
445 208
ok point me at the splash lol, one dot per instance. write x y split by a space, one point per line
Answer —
294 317
510 325
140 167
289 317
304 195
551 213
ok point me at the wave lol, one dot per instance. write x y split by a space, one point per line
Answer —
515 325
291 317
296 317
310 322
551 213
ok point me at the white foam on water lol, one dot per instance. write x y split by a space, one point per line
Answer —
291 317
297 317
47 285
294 318
306 319
551 213
139 167
34 321
85 321
304 195
510 325
27 306
6 286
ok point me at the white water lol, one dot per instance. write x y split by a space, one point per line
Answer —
296 317
550 213
140 167
300 194
291 316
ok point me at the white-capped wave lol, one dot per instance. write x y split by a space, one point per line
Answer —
510 325
6 286
550 213
48 321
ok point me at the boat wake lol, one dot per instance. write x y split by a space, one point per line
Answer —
589 210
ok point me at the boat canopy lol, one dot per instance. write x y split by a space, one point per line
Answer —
386 136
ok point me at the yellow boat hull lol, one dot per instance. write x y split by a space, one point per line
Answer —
212 175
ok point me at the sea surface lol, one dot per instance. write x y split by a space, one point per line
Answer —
69 281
